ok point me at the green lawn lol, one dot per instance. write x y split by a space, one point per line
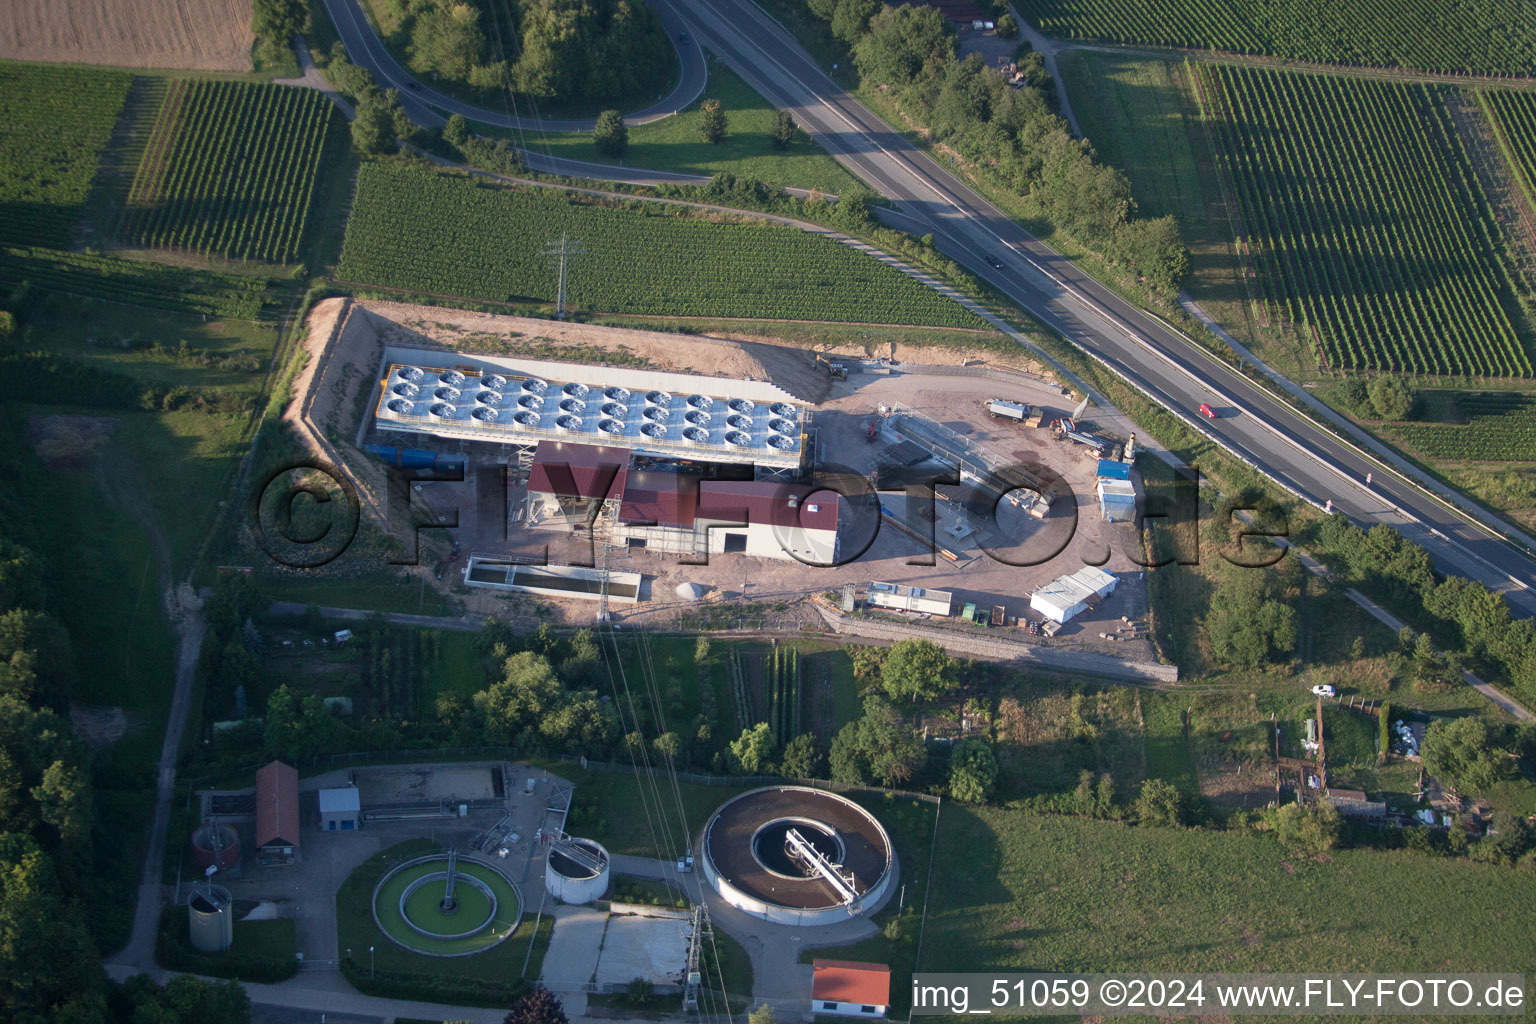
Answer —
1022 891
1134 113
673 143
614 809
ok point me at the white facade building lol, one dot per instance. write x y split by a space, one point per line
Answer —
340 809
1068 596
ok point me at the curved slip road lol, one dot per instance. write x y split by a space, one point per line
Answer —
425 105
1174 371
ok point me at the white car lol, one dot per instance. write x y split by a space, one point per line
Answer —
1323 690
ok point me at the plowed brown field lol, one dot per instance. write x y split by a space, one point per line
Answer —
199 35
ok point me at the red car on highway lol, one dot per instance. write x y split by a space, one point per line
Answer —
1207 411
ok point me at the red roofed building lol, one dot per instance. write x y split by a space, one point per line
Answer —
567 479
682 514
277 813
848 988
769 519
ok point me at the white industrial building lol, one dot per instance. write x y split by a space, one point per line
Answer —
340 809
1069 596
515 401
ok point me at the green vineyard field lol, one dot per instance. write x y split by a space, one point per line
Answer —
229 170
1514 117
54 122
1477 36
425 232
1370 231
1500 427
128 281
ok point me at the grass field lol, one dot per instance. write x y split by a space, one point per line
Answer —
673 143
1481 36
54 123
1134 113
1073 894
1371 233
177 289
174 460
230 170
425 232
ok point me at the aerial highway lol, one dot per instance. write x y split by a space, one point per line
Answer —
926 198
1169 367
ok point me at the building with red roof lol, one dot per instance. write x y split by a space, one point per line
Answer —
849 988
569 481
277 813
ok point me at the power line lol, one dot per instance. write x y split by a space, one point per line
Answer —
563 251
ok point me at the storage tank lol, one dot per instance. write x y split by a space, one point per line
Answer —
217 846
577 870
211 918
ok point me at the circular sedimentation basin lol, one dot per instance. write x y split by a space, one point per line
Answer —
406 907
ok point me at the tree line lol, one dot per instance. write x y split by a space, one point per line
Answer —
71 820
1012 136
544 49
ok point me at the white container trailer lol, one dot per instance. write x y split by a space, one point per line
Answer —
900 597
1003 409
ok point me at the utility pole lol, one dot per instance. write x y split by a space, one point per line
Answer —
562 250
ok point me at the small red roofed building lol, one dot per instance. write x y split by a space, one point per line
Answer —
277 814
848 988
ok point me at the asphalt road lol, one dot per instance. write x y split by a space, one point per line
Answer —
425 105
1173 370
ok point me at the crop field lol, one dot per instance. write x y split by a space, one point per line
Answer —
1478 36
54 123
1514 118
1369 228
141 284
426 232
201 35
1499 426
230 170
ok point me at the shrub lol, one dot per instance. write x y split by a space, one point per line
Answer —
610 137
